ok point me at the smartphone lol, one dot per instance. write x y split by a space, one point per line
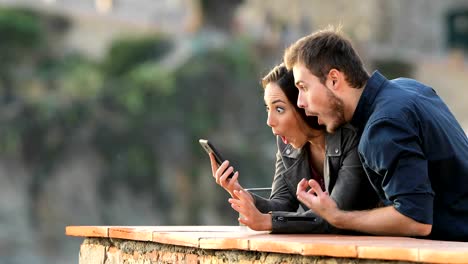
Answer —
209 148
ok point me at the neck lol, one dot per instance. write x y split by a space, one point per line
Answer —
317 140
352 101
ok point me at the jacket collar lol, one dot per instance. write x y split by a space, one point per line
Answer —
333 148
364 107
333 144
289 152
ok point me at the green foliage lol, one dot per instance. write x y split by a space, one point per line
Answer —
124 54
129 108
19 29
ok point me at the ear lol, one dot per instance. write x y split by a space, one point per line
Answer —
335 78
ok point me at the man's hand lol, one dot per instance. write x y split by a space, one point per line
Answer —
250 216
379 221
221 174
316 199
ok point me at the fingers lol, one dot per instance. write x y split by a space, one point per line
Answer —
232 181
244 196
222 170
238 206
302 186
244 221
214 165
243 203
224 180
315 188
245 208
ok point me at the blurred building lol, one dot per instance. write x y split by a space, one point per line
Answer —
95 23
423 39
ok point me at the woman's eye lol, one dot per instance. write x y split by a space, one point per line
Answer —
279 110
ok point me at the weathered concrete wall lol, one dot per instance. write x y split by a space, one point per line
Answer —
116 251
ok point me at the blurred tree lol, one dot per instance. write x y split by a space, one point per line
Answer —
142 119
219 14
126 53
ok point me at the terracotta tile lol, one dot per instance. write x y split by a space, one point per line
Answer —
444 255
229 240
275 243
87 231
332 250
222 229
388 253
132 233
224 242
189 239
276 246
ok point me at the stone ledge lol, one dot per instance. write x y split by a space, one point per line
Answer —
235 238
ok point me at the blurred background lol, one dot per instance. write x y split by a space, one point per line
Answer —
102 102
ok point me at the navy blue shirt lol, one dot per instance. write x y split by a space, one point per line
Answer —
415 154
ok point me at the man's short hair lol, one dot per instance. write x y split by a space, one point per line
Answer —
325 50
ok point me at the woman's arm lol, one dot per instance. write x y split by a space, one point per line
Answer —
278 221
352 189
281 198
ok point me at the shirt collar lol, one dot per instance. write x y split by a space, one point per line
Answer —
364 107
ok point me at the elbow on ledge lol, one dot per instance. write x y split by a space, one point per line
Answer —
421 229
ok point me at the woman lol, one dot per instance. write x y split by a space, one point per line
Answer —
305 150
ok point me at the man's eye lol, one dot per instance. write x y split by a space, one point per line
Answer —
279 110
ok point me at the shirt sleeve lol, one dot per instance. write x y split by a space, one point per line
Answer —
395 162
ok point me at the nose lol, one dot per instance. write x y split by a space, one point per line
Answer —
300 100
271 121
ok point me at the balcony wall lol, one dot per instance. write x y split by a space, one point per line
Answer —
237 244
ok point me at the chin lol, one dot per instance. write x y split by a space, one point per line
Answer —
298 146
332 127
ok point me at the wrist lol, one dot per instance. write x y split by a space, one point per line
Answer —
337 219
268 222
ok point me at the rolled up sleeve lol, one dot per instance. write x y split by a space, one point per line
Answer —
396 164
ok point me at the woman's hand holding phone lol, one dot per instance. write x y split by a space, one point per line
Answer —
221 175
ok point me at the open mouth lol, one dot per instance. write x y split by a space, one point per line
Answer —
285 140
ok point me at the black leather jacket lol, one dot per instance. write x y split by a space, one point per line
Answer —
345 181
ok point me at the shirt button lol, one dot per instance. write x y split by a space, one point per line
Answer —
337 150
288 151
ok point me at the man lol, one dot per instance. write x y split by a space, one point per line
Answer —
413 150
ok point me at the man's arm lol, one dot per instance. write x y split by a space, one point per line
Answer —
379 221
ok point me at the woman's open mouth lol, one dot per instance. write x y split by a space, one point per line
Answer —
285 140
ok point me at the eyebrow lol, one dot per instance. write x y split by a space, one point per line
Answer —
277 101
